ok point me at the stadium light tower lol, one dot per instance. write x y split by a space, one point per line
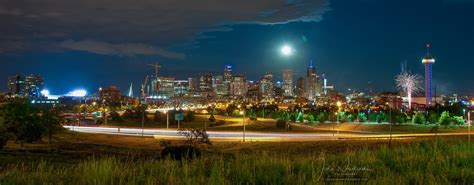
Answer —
428 62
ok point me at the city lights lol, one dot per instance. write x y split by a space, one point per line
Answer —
78 93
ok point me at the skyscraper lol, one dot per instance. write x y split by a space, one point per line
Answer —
428 62
311 80
193 85
227 78
287 83
205 83
266 87
30 85
238 87
300 93
33 86
16 85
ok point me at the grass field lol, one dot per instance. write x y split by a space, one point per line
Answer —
78 158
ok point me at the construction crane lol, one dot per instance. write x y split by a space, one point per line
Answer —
143 86
156 66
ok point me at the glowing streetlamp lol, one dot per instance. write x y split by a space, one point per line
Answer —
242 112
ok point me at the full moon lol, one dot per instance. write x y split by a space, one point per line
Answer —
287 50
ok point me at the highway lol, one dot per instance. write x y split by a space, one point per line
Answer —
250 135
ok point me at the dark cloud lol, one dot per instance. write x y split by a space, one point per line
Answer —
127 49
136 26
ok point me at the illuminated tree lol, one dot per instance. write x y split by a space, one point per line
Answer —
408 84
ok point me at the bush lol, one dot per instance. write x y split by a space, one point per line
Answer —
322 117
433 118
458 120
281 124
419 118
4 136
310 118
212 119
362 117
341 117
445 119
116 117
181 152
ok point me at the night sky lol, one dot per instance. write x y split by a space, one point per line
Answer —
93 43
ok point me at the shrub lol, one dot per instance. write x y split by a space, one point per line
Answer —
281 124
433 118
362 117
116 117
419 118
445 119
4 136
341 116
458 120
212 119
181 152
310 118
322 117
195 137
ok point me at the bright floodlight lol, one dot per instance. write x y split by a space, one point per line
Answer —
78 93
45 92
287 50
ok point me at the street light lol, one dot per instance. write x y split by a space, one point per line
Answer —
469 121
339 104
242 112
167 120
390 123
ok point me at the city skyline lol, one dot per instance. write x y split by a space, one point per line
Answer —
344 43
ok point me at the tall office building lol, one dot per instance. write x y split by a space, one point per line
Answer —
238 86
181 87
219 86
33 86
166 87
311 82
16 85
205 83
228 78
193 85
300 92
287 83
30 85
266 87
428 61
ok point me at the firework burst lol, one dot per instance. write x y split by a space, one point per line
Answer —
409 84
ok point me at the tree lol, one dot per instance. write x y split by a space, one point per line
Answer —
212 119
458 120
116 117
52 121
322 117
419 118
445 119
21 120
310 118
433 117
362 117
